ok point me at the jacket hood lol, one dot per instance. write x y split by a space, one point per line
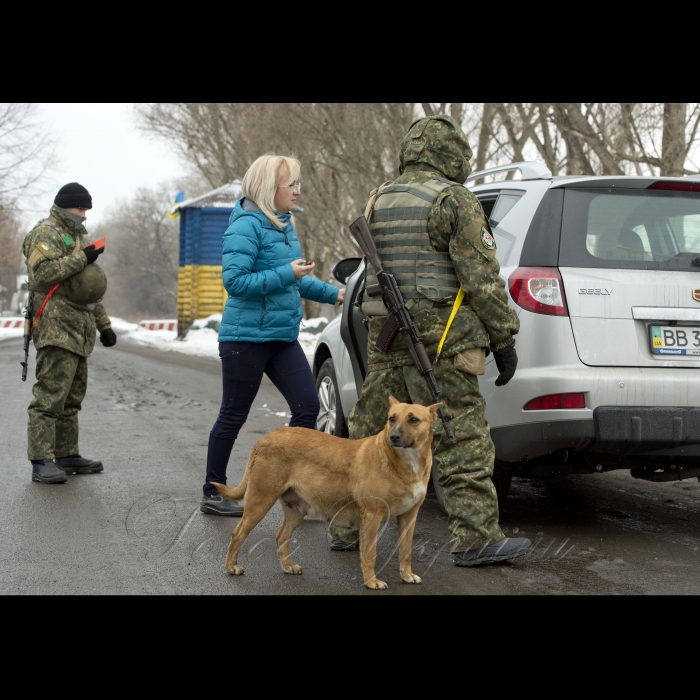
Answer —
247 207
437 142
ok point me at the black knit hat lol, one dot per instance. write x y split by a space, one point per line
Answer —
73 195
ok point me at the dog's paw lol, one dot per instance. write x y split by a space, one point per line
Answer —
235 570
376 585
292 569
411 578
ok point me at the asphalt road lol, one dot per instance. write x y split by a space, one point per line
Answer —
137 529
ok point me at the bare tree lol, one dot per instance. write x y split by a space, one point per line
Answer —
141 255
346 150
11 260
593 138
26 151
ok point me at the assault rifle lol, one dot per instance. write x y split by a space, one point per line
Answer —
399 318
27 335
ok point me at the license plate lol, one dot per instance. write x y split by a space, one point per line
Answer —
675 340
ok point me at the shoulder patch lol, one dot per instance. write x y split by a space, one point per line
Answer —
487 239
35 256
46 246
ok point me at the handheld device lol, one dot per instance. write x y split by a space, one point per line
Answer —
98 245
306 262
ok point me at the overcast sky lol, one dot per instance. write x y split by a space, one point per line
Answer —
99 146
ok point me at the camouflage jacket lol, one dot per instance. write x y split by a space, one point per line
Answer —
53 249
437 147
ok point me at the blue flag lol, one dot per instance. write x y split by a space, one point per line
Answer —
179 197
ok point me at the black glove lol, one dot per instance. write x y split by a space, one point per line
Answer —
506 361
108 337
91 255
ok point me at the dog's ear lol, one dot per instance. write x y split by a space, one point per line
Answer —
392 401
434 409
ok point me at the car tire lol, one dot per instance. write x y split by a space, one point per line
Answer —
502 477
330 418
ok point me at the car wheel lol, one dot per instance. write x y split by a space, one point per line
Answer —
330 417
502 476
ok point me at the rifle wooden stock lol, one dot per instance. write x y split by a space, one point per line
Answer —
363 236
399 318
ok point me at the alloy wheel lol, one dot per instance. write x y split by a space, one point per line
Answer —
327 414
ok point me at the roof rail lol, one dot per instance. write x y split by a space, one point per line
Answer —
530 169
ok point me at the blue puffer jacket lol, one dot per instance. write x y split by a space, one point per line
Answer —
264 298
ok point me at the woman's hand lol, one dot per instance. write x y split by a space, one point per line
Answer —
301 269
341 297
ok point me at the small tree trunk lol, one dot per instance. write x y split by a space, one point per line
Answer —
485 137
673 147
457 111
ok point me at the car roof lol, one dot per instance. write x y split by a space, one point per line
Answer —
534 171
626 181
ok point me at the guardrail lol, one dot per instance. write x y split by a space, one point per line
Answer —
159 325
12 322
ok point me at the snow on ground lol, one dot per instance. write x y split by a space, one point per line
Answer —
202 337
6 333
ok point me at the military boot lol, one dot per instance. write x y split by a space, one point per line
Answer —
75 464
46 472
505 549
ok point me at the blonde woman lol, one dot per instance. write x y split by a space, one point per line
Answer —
266 277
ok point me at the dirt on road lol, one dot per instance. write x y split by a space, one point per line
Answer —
136 528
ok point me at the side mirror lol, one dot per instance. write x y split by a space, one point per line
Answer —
345 268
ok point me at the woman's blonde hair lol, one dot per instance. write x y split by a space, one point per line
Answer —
262 179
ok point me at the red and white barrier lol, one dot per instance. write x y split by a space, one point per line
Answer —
11 322
159 325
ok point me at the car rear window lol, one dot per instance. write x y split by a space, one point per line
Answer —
630 229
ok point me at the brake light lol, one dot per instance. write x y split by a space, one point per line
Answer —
556 401
675 185
538 289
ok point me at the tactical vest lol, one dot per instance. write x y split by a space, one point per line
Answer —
399 225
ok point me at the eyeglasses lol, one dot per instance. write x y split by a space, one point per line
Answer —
296 187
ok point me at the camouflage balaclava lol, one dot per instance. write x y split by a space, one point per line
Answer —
440 143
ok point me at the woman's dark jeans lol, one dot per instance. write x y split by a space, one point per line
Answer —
243 365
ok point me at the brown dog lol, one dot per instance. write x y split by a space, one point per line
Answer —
350 483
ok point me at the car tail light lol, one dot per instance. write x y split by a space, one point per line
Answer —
675 185
538 289
556 401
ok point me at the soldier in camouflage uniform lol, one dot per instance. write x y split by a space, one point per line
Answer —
64 336
458 250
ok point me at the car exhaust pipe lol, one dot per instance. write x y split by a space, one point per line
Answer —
675 473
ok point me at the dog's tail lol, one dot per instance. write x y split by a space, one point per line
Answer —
237 494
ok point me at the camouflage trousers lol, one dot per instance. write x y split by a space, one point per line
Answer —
464 469
61 383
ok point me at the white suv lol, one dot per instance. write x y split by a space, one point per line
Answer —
604 273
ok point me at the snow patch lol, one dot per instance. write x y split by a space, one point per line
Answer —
6 333
202 337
